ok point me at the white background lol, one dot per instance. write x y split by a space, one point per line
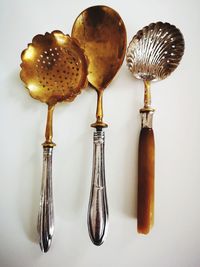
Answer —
175 238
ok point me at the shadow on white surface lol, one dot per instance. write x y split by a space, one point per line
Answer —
30 165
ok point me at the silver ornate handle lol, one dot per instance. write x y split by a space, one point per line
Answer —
98 207
46 210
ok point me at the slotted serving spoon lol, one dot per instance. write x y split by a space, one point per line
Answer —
152 55
54 69
102 34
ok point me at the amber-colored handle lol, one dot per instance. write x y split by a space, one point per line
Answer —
145 205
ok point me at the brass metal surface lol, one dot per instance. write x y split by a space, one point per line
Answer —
102 34
49 127
54 69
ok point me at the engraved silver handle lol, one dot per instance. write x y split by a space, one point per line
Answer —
46 210
98 207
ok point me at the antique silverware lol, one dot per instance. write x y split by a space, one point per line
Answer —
102 34
152 55
54 69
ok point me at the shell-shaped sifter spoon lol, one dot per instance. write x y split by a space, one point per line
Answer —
102 34
54 69
152 55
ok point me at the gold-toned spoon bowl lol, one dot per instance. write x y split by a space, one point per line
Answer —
54 69
102 34
152 55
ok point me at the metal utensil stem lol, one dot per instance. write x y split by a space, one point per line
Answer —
147 94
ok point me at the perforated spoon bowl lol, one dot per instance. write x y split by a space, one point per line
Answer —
152 55
54 69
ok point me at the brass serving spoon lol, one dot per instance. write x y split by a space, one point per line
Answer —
102 34
54 69
152 55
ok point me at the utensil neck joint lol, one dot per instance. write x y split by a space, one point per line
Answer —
99 112
49 128
147 95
